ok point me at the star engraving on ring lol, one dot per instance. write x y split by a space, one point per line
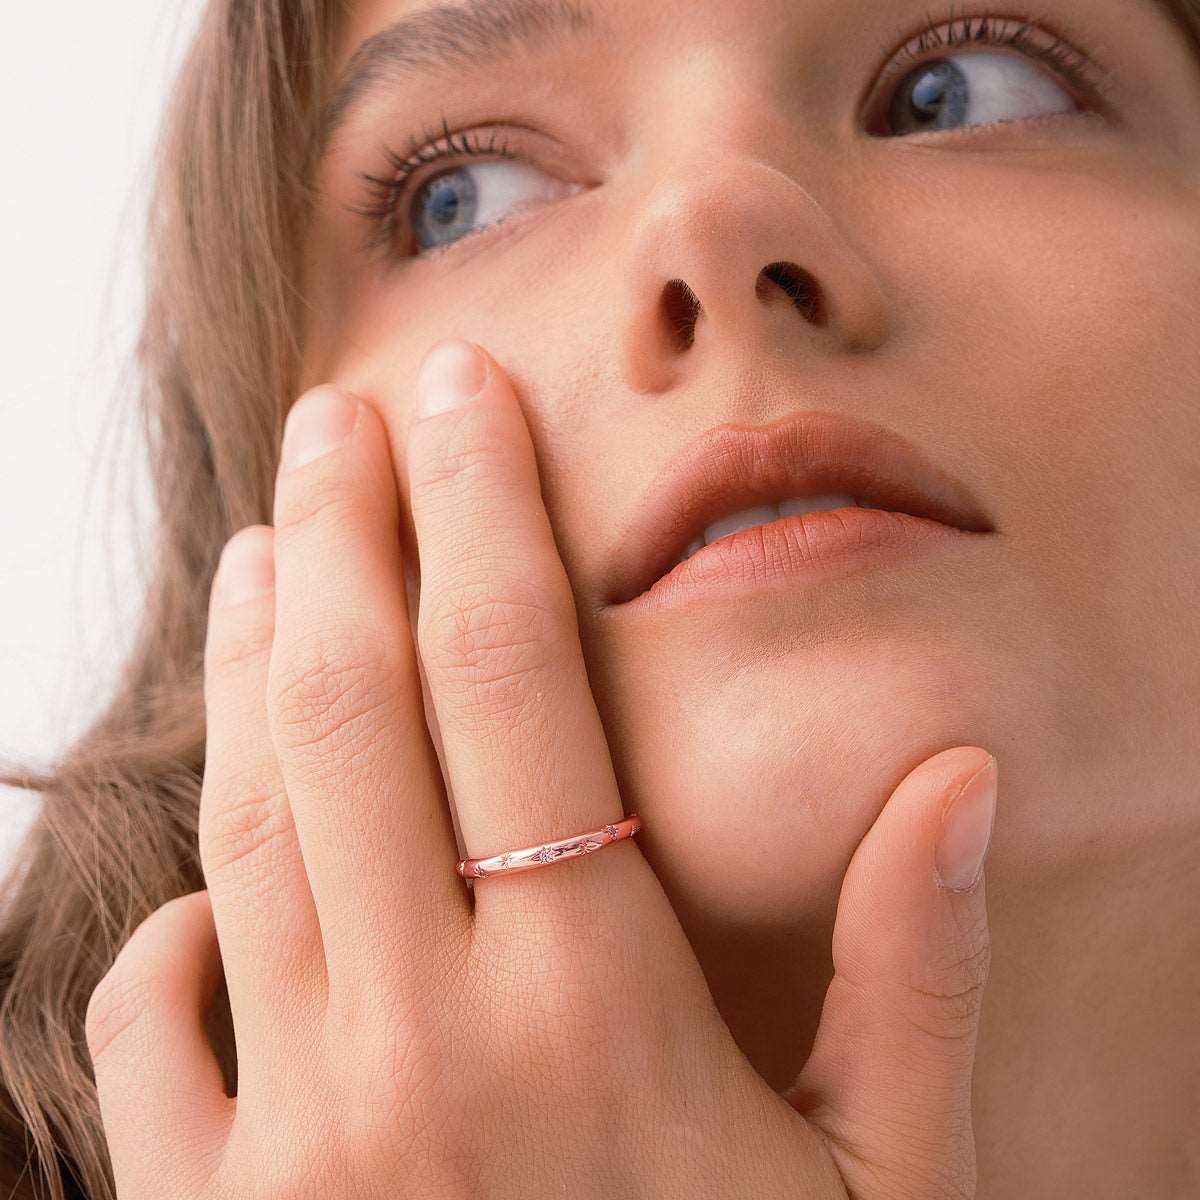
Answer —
611 830
545 855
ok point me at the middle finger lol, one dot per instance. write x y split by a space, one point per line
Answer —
525 750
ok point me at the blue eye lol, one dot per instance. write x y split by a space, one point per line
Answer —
456 203
977 89
469 198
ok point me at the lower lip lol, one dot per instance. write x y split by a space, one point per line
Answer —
794 550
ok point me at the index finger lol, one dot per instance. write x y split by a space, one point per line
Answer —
344 698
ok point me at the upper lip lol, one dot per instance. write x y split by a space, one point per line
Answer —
732 467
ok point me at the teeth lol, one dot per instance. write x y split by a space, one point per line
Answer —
738 521
763 513
793 508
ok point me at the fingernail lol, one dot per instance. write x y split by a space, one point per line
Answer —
318 422
452 373
967 831
246 567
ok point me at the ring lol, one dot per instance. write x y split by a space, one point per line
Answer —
528 858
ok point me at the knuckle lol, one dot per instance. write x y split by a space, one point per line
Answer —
115 1009
465 464
128 992
328 688
249 826
964 959
326 497
491 651
478 635
232 650
944 1016
947 992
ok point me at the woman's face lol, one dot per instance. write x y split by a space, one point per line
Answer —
1020 300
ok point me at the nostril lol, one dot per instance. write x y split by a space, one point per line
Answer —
798 285
681 308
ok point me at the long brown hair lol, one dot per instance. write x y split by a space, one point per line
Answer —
116 835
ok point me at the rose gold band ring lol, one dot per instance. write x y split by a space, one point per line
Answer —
530 857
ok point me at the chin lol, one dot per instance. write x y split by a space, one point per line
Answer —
756 783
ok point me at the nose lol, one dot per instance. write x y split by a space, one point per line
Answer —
738 253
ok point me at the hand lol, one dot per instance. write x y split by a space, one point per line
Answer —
555 1037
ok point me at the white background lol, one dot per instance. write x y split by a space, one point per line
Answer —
82 90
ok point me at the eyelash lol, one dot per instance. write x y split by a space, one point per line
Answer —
991 30
385 194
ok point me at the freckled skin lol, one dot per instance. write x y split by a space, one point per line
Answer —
1024 308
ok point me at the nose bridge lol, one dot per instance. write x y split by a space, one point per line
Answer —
731 248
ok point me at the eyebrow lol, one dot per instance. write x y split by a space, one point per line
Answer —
446 35
488 31
1184 14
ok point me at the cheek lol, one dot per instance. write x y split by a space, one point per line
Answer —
1070 311
1112 301
1050 342
1079 375
1127 376
1096 392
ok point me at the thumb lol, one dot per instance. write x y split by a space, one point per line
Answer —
889 1076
